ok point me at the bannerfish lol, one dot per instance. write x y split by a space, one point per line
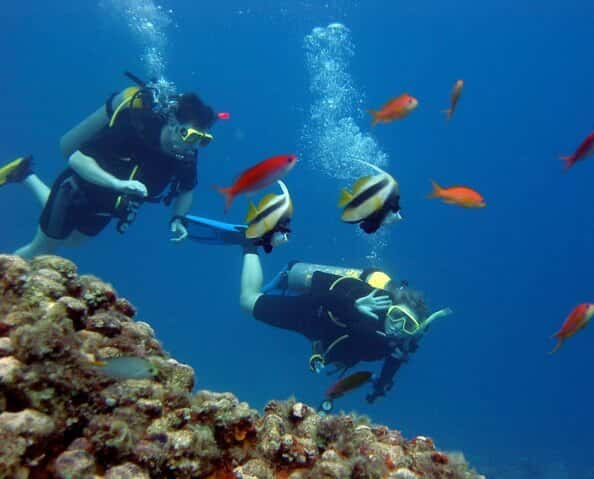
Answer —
395 109
577 320
458 195
373 201
271 210
456 92
126 367
348 383
259 176
585 150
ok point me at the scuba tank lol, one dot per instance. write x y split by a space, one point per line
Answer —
105 115
299 275
140 96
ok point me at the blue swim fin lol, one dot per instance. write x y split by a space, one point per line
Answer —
207 231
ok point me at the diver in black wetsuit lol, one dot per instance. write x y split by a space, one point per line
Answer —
132 152
348 317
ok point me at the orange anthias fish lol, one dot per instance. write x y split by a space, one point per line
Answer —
396 109
456 92
577 320
346 384
585 149
259 176
458 195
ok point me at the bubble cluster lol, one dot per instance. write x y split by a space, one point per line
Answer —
148 22
331 138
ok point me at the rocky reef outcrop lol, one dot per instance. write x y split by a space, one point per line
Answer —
61 418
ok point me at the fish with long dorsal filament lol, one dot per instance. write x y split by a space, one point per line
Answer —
372 201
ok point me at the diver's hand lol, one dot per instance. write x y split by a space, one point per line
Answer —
379 390
179 230
131 187
368 305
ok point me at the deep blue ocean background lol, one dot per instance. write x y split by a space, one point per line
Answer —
482 381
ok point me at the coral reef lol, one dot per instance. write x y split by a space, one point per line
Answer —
62 418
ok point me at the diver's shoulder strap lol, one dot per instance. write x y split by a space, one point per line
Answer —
109 111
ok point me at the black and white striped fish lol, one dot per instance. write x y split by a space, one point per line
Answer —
368 195
270 211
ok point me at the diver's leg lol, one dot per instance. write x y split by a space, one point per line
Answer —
251 280
38 188
41 244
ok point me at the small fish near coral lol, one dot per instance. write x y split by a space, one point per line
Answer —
258 176
463 196
395 109
125 367
577 320
456 92
583 151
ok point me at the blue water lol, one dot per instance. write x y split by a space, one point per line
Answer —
482 381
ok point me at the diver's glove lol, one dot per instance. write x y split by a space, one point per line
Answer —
178 228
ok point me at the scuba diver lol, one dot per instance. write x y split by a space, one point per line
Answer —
349 315
121 156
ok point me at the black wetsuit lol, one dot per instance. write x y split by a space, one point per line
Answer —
76 204
326 314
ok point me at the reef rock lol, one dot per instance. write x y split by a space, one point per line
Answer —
61 418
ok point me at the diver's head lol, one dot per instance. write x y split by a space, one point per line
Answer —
407 313
186 128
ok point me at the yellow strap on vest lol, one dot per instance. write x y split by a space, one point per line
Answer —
132 175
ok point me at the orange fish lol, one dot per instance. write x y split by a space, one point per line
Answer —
396 109
458 195
577 320
456 92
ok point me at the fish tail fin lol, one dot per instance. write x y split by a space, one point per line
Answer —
448 113
375 119
558 345
228 193
569 161
436 192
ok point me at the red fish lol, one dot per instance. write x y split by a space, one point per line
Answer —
458 195
456 92
583 152
577 320
396 109
223 115
344 385
258 176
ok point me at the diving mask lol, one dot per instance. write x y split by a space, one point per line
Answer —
400 319
192 135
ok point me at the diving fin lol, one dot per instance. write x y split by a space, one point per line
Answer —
208 231
17 170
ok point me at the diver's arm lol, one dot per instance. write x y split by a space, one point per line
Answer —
386 379
251 280
181 206
89 170
182 203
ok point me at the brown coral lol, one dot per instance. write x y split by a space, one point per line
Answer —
60 418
